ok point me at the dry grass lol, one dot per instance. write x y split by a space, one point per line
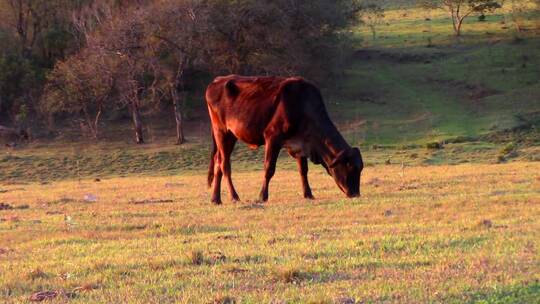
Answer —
445 233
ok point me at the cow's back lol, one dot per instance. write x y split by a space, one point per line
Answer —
243 105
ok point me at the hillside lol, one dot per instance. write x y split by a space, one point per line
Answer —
477 98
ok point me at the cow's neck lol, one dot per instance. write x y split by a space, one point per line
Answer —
329 142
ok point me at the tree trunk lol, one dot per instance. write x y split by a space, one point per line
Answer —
90 123
454 21
96 122
177 116
458 27
137 123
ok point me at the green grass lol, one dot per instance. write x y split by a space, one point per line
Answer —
468 233
463 231
476 86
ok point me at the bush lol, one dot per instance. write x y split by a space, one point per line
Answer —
434 146
508 149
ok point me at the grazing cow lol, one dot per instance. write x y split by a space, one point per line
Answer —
277 112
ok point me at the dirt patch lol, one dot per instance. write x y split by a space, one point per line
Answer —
480 92
44 295
60 201
4 206
4 251
174 185
388 213
235 270
473 92
408 187
146 202
252 206
53 212
11 190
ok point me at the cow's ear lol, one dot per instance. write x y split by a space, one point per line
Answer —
232 89
339 158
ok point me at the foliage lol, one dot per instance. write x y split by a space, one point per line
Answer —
152 57
305 37
82 84
461 9
17 78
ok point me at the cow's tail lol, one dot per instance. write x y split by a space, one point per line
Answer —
212 161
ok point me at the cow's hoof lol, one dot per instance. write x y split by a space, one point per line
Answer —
309 197
261 200
235 199
217 202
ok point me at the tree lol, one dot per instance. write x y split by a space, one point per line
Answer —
42 27
459 10
122 39
173 52
82 84
517 9
150 48
306 37
34 35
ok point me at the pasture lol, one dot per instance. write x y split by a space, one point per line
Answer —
454 234
449 213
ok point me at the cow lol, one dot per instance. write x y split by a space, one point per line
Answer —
277 112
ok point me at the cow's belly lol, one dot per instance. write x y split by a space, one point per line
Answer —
249 134
297 147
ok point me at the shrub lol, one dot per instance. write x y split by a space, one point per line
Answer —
434 145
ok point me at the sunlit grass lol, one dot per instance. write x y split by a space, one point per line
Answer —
455 233
412 27
452 234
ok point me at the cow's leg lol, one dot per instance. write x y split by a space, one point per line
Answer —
218 172
229 141
216 191
303 169
271 154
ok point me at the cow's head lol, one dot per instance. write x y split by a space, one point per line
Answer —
346 169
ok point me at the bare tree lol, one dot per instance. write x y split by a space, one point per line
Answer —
177 32
459 10
123 38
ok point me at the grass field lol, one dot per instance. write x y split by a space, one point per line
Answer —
450 211
467 233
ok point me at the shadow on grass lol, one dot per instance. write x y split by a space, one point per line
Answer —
516 294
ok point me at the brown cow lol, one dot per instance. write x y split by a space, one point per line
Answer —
277 112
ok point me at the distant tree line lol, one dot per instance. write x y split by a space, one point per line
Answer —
84 58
